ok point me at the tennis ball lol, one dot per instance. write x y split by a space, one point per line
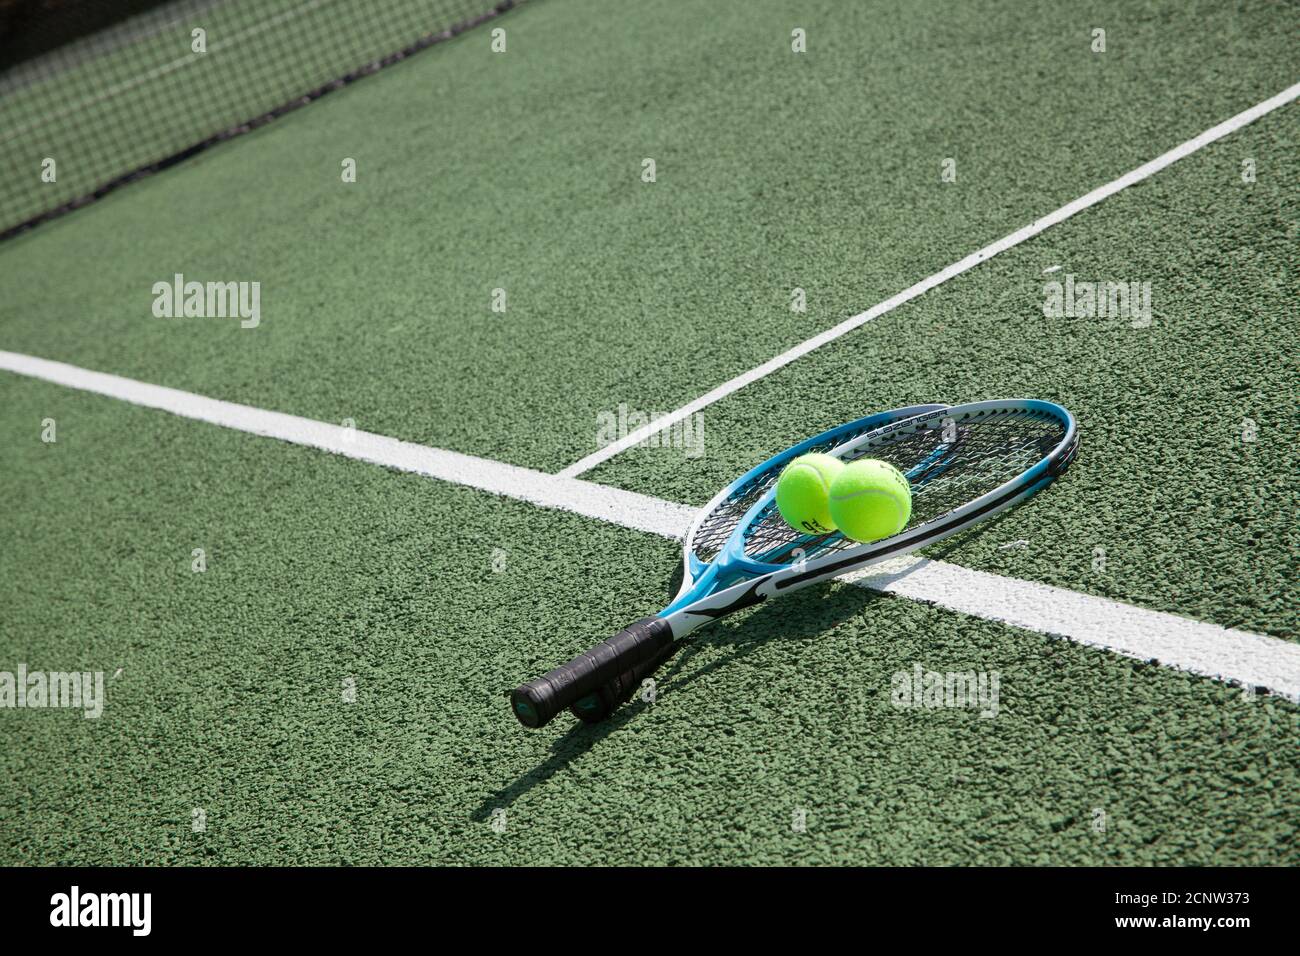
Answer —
870 500
803 493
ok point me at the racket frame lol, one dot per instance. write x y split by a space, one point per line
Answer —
733 580
701 599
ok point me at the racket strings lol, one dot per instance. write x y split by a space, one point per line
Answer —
715 530
949 463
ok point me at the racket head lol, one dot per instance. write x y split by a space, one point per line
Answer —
964 463
716 524
956 459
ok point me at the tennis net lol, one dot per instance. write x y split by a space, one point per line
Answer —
94 93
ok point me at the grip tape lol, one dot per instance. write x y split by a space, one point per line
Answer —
536 702
602 702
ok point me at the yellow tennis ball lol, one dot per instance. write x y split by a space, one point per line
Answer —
870 500
803 493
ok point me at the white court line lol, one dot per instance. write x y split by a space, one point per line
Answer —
1243 657
568 494
1205 649
957 268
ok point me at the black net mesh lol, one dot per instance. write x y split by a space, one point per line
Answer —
133 93
949 462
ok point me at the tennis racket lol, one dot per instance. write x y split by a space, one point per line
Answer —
607 698
965 463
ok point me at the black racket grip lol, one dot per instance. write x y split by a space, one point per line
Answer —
603 701
536 702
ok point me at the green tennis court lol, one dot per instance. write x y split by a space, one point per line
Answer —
307 653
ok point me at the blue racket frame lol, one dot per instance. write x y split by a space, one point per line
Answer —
734 579
730 578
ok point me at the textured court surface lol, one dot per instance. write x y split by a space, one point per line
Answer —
521 171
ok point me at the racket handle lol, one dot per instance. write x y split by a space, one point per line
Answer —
536 702
598 705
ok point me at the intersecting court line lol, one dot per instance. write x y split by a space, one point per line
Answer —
1255 660
957 268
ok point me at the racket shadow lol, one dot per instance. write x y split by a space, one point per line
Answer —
580 738
742 638
805 616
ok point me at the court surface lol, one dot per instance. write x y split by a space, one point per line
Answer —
331 686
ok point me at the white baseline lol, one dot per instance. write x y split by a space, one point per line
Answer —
1241 657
